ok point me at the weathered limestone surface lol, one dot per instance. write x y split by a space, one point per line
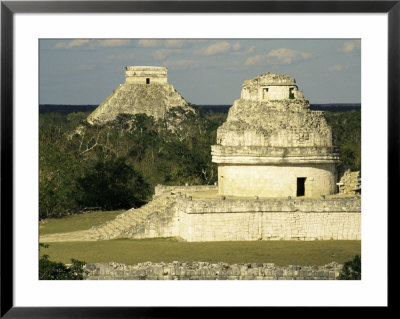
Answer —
144 74
197 220
145 91
182 212
116 228
209 271
178 190
276 180
271 138
270 219
350 183
270 86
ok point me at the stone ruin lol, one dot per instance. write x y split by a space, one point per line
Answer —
146 90
273 145
350 183
276 172
177 270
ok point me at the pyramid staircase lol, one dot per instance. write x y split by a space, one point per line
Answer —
120 226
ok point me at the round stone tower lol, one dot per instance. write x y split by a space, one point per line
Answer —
273 145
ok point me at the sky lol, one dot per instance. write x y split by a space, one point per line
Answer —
203 71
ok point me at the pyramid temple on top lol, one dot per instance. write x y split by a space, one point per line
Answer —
273 145
146 90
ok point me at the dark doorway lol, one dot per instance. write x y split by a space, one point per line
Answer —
301 186
265 93
147 80
291 94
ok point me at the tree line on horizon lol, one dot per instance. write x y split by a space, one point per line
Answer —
223 108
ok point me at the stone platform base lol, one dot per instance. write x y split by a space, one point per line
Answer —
208 271
201 215
198 213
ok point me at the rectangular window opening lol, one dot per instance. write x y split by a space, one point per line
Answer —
265 93
147 80
301 186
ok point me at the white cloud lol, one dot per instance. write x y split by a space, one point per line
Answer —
112 43
185 64
351 46
236 46
256 59
174 43
286 56
339 67
91 43
244 52
70 44
163 53
218 48
145 43
180 64
120 57
279 56
148 43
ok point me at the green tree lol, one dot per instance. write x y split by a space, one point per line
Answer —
51 270
112 185
346 127
77 160
58 167
351 269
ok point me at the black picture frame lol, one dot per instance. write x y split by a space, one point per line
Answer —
9 8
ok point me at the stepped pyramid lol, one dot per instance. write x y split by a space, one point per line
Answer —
145 90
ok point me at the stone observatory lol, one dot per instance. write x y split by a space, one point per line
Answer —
146 90
273 145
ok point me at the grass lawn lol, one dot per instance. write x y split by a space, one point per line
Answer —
76 222
168 250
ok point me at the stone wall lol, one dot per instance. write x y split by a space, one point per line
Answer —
163 223
271 92
287 123
162 189
275 180
350 183
208 271
139 74
270 86
298 219
202 215
252 219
